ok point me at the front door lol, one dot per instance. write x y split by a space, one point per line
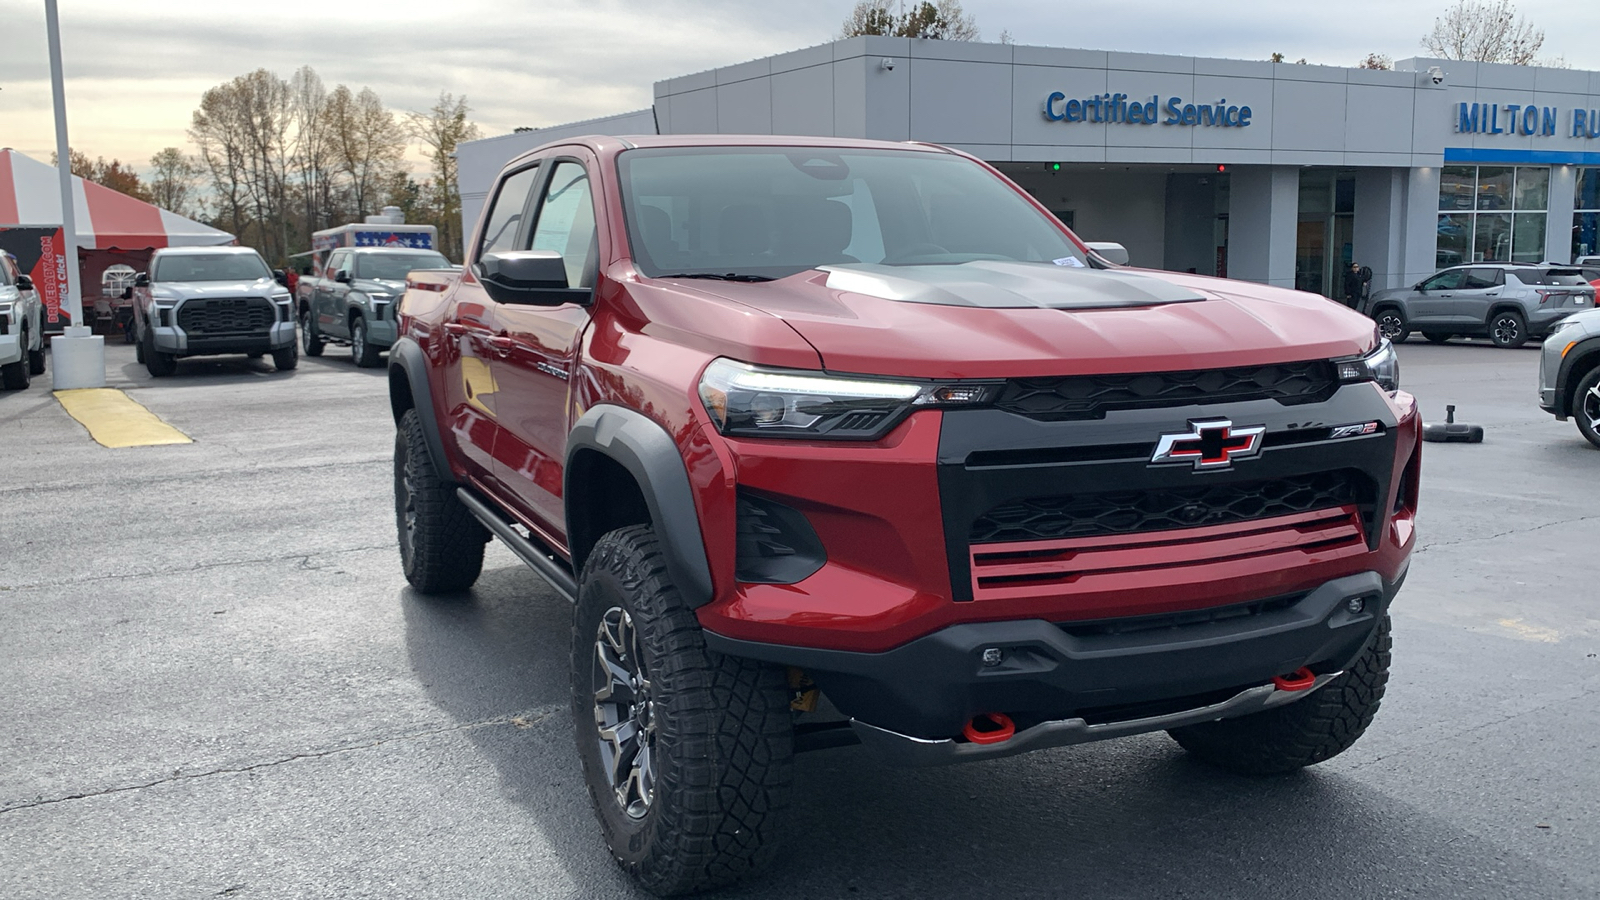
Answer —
536 348
328 306
1430 305
1468 305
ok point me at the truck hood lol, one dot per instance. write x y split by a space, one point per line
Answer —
191 290
993 319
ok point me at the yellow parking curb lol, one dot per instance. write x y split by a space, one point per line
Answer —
116 420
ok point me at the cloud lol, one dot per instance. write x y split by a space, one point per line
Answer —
136 71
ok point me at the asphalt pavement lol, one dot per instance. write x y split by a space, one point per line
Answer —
215 682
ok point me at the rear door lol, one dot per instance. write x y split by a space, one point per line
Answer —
537 347
1468 305
472 397
323 300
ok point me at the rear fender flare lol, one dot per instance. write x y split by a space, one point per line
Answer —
409 389
650 455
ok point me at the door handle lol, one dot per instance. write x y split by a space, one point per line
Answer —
501 346
455 329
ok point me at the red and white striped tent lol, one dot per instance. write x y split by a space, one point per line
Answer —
30 195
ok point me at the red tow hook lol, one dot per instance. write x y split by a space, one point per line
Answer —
989 728
1299 680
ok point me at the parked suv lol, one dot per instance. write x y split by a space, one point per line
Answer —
355 303
21 327
201 301
1569 373
1507 302
792 419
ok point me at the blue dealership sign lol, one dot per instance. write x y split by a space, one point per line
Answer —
1121 109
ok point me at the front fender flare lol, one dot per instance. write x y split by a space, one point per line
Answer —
649 454
408 389
1565 375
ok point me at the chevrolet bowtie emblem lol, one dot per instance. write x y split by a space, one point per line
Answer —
1209 444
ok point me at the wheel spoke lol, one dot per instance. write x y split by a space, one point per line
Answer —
623 712
1591 407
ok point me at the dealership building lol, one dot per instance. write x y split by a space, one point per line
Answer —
1271 172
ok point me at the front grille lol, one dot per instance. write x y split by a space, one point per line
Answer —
1091 396
226 315
1160 509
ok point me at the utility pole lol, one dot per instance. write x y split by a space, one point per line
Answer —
78 356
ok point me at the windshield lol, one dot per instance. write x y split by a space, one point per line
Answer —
394 266
213 267
756 213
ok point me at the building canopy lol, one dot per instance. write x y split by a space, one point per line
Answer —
30 195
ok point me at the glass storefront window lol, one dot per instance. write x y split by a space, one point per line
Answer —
1455 241
1456 186
1492 238
1493 214
1494 187
1527 237
1586 218
1533 188
1585 234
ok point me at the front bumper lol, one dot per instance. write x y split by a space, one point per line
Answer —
10 348
174 340
381 333
1084 681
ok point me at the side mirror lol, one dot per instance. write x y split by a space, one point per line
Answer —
141 280
127 293
281 278
24 283
529 278
1110 251
305 270
342 277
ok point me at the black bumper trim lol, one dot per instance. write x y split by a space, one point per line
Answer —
932 686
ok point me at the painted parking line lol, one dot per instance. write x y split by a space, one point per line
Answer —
115 420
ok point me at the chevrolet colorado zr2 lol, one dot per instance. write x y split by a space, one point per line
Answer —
840 441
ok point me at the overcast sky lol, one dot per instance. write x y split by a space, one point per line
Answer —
135 70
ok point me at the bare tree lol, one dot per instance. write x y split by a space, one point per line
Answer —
1376 61
1484 31
242 132
173 178
941 21
440 129
368 145
312 158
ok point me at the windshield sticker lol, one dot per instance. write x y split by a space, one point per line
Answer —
1072 261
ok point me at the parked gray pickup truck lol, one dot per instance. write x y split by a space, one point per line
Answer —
355 302
202 301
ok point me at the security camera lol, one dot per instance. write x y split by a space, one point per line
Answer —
1436 75
887 65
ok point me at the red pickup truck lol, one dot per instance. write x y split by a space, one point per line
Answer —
836 441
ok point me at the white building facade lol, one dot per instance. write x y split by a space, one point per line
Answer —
1270 172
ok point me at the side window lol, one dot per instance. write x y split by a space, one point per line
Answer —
566 223
1448 280
1479 279
340 260
5 272
500 231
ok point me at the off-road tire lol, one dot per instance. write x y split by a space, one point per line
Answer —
1508 330
1392 324
15 376
284 359
138 351
442 549
362 353
1586 406
1437 337
158 364
36 361
311 337
1304 732
723 744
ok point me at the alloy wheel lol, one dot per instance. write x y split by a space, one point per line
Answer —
624 713
1507 330
358 342
408 510
1391 326
1591 408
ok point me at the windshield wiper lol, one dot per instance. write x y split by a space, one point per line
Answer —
731 276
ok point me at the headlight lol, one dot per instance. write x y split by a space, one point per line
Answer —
1568 322
1381 365
750 401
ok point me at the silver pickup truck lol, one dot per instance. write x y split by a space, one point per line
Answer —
21 327
355 302
198 301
